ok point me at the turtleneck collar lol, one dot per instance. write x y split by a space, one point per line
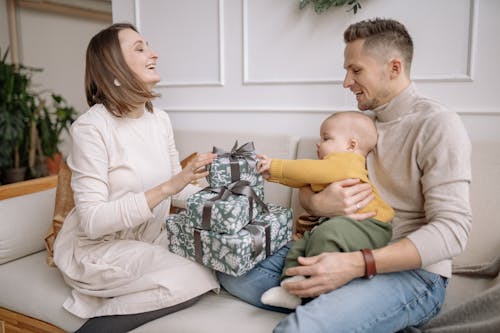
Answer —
398 106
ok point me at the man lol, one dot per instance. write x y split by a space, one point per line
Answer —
421 166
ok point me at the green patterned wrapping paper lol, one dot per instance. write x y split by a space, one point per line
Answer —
228 214
238 164
232 254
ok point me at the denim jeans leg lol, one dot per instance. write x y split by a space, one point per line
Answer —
250 286
386 303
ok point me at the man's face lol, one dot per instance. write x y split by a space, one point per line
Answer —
367 76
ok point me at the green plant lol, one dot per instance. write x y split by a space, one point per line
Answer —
52 121
17 105
321 5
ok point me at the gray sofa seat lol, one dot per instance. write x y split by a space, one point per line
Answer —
30 287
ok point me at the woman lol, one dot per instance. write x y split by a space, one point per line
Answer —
125 168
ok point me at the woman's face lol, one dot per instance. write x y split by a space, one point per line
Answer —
139 57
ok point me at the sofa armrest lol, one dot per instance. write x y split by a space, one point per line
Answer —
27 210
27 187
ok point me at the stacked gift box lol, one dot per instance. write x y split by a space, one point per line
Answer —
227 226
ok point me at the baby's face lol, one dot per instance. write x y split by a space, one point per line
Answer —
332 139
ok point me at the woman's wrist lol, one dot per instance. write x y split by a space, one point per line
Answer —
166 190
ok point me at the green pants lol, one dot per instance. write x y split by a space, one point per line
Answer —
339 234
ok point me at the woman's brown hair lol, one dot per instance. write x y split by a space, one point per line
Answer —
106 67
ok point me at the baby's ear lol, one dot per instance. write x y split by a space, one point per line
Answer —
352 144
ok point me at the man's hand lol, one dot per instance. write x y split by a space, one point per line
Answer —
344 197
331 270
326 272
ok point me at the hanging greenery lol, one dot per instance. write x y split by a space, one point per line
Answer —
321 5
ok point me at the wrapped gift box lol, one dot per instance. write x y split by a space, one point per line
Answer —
224 210
238 164
233 254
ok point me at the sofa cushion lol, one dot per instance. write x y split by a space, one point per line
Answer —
214 314
484 241
29 278
34 289
25 219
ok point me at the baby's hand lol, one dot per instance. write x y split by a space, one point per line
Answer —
264 165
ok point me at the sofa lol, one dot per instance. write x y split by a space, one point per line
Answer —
31 292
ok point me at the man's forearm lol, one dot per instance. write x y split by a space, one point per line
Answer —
399 256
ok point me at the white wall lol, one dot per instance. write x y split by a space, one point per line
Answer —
266 66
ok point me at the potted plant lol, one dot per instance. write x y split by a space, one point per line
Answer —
52 122
17 107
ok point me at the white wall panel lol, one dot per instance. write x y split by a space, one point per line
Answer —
285 45
282 67
442 31
188 36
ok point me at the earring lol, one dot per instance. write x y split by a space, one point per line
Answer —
116 82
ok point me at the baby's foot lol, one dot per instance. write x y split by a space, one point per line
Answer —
279 296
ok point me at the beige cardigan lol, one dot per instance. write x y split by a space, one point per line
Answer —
112 249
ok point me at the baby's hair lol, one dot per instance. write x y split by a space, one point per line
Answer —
360 126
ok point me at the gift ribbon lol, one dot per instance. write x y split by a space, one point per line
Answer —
253 228
245 151
241 187
257 241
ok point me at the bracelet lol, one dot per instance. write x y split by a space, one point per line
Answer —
370 268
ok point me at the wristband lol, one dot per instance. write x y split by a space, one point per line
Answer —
370 269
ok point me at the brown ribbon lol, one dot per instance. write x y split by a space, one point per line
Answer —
241 187
245 151
257 241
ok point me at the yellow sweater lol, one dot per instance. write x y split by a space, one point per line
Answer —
320 173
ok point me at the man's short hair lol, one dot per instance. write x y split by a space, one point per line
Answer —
384 35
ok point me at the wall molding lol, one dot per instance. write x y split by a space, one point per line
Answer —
462 112
468 76
219 82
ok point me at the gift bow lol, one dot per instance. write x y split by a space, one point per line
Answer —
241 187
245 151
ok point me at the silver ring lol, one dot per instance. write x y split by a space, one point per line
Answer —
357 206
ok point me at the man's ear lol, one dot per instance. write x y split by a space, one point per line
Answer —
352 144
396 67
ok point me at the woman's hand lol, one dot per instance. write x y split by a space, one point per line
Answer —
344 197
194 170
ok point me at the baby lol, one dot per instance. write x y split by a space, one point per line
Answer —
346 138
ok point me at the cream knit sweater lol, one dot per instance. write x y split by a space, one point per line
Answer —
421 166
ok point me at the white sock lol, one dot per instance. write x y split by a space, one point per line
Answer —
279 296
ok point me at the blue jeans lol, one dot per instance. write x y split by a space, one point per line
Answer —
387 303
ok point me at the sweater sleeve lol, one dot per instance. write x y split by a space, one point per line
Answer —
444 159
89 164
179 199
298 173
